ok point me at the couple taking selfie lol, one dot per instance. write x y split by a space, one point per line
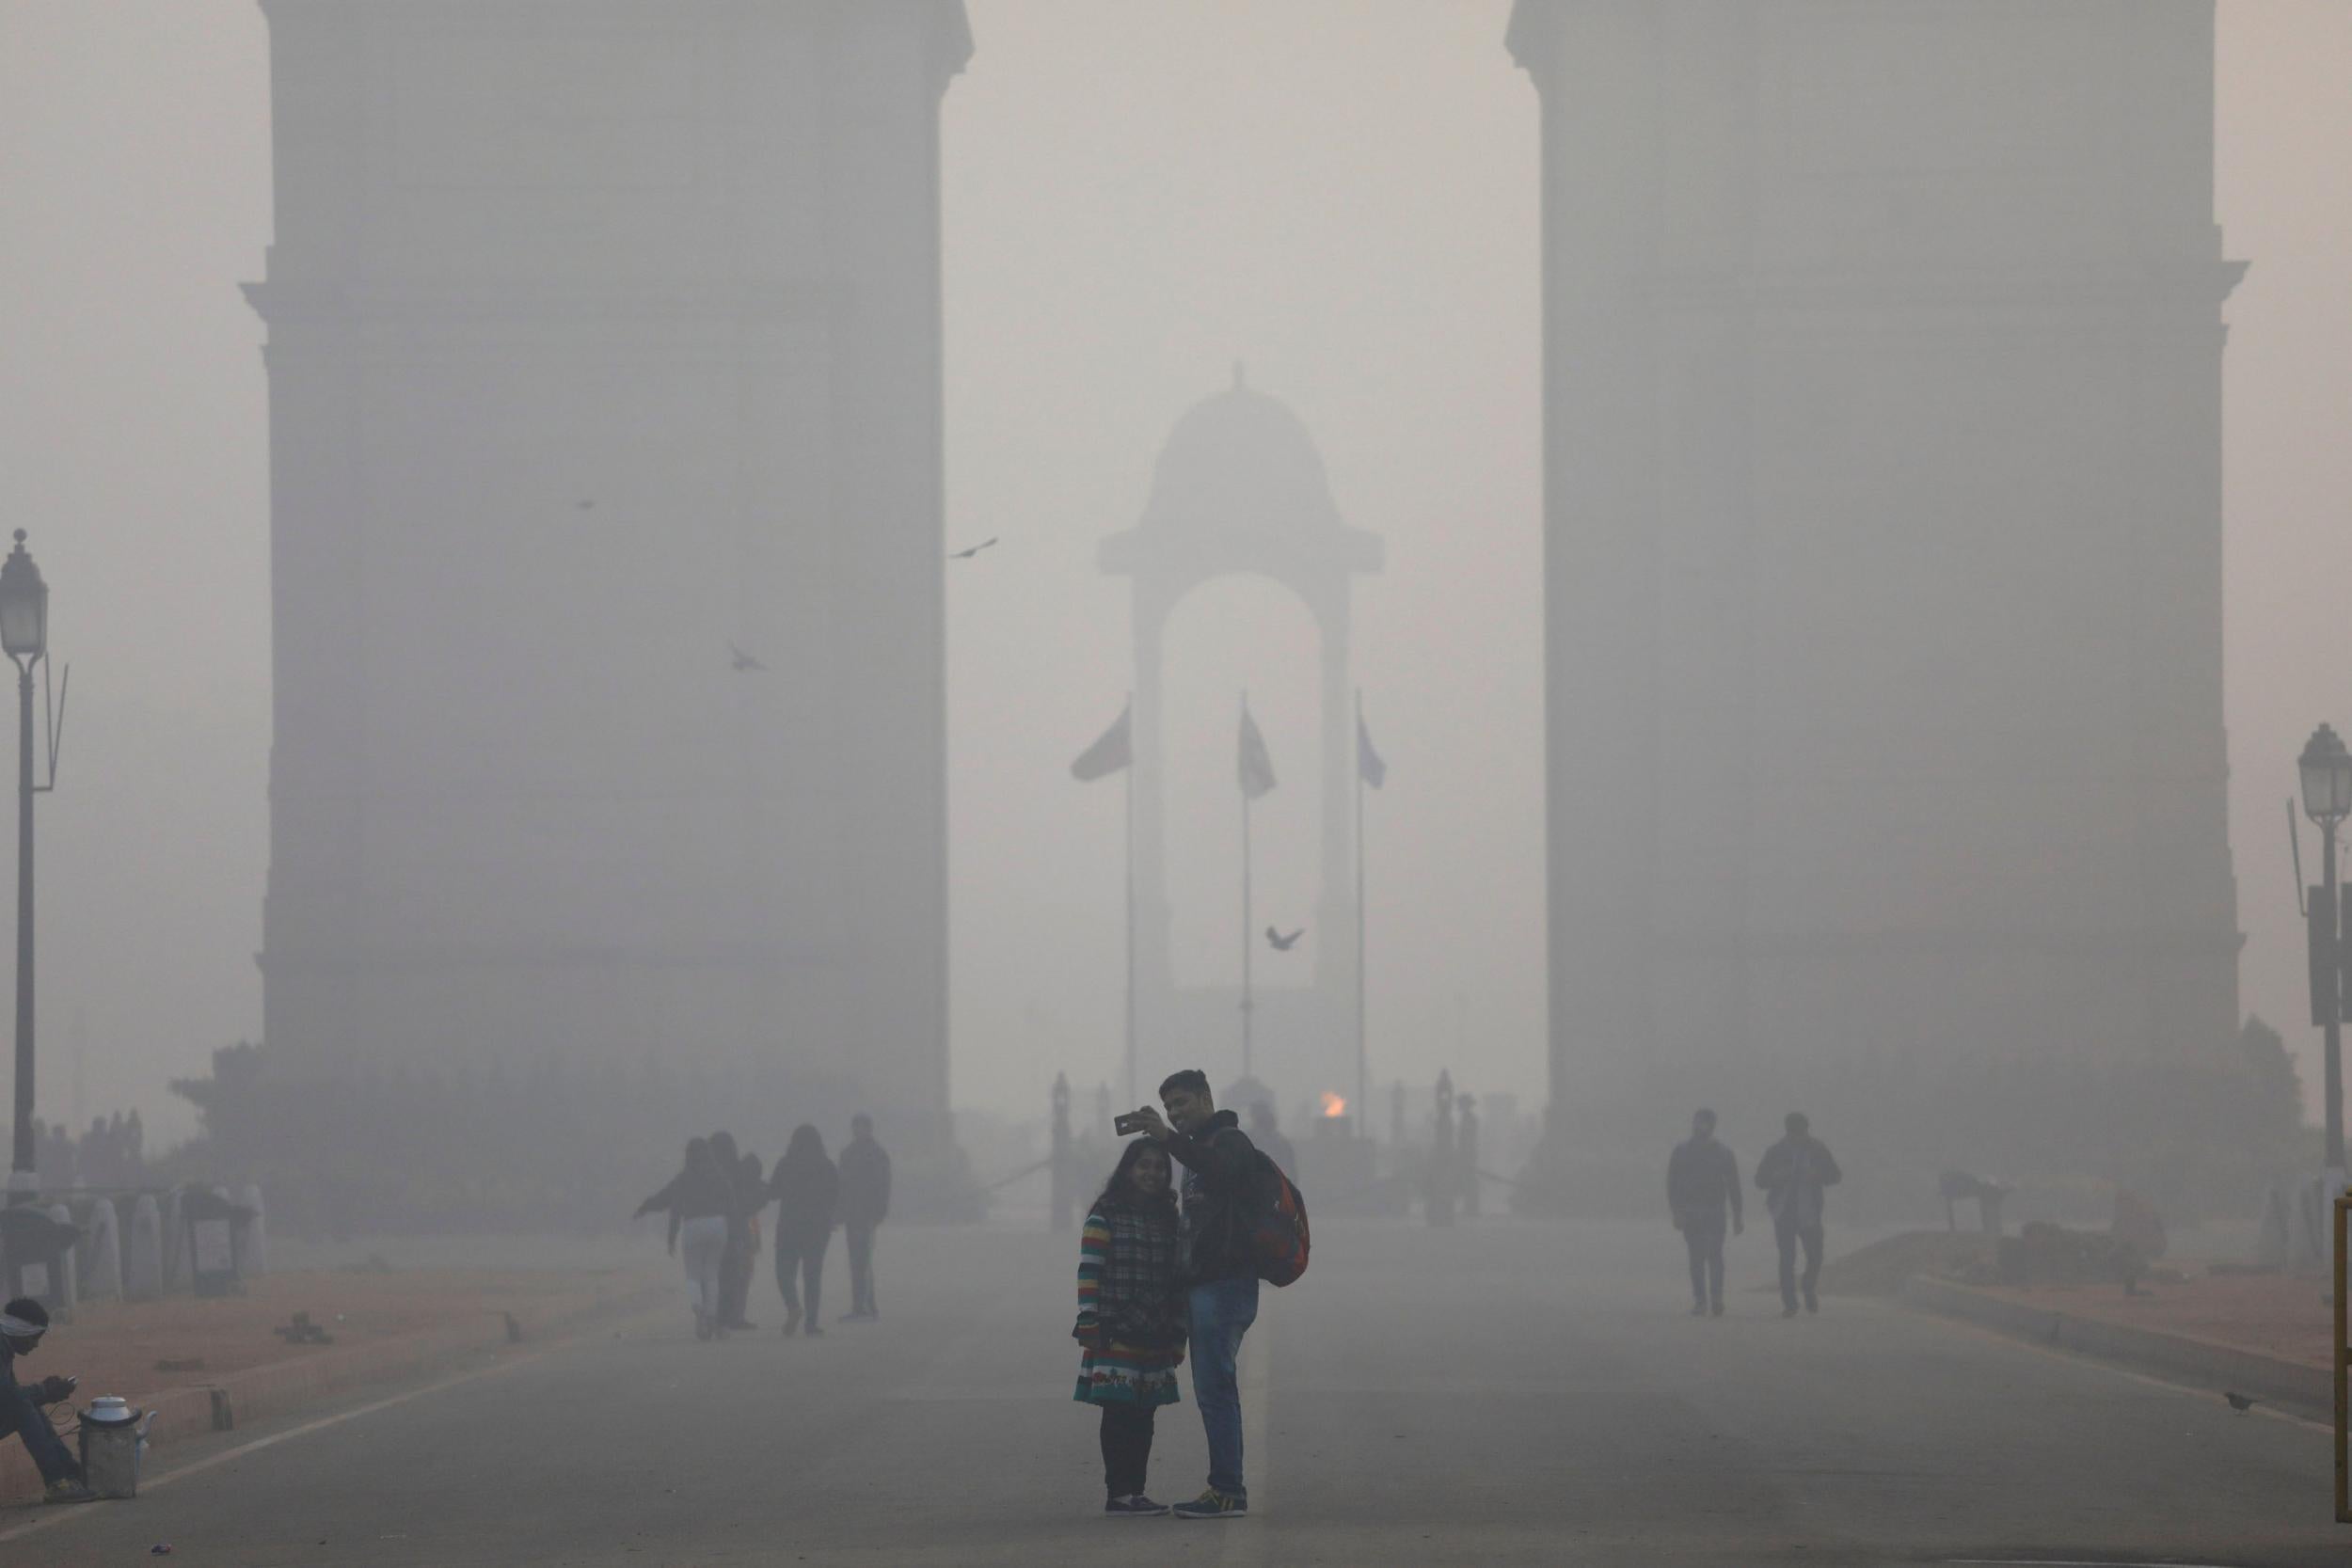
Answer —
1169 1263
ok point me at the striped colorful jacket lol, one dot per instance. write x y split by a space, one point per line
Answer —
1130 1275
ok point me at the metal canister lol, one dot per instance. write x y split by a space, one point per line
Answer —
113 1440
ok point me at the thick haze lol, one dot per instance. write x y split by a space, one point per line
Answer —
1339 192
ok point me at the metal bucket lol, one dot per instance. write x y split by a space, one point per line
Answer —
113 1440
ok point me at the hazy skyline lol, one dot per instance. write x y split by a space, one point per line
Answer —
1116 237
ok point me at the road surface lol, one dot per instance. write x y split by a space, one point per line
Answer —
1496 1393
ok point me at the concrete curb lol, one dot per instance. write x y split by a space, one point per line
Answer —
2206 1362
299 1382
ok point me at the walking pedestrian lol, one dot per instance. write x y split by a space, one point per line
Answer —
865 1203
750 1197
735 1265
1130 1318
807 1191
1221 1172
698 1199
1794 1174
1702 1181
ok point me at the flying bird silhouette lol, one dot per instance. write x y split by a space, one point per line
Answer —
585 505
968 554
1281 943
742 662
2240 1402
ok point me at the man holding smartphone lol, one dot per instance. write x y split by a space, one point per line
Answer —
1220 1172
23 1322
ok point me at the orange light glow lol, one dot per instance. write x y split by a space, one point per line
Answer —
1333 1105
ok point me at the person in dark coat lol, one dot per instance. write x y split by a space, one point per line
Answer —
1221 1178
698 1199
23 1322
865 1202
1130 1318
807 1191
1702 1181
750 1197
735 1262
1794 1173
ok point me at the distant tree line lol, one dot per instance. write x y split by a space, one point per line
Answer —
557 1148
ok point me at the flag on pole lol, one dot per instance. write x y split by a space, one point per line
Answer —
1115 750
1257 767
1369 764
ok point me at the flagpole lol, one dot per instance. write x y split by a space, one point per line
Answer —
1363 1104
1247 953
1130 915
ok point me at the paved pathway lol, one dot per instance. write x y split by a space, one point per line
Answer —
1498 1393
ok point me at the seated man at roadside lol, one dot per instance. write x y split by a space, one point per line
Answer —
23 1322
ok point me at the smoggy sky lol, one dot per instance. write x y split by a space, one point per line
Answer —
1339 192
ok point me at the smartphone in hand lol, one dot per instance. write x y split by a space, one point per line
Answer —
1128 1122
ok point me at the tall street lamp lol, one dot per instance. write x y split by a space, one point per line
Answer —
2327 770
24 638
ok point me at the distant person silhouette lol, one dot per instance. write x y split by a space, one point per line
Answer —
807 1191
865 1203
1702 1181
1269 1138
699 1199
1794 1174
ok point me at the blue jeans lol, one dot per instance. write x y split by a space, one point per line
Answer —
20 1414
1222 1311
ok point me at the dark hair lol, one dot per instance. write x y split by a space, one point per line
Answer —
1121 1188
1192 1080
1703 1113
807 1146
25 1309
1797 1123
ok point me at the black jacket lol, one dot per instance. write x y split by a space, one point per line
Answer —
865 1182
808 1197
1221 1176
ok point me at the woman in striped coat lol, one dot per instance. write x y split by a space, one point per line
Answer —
1130 1318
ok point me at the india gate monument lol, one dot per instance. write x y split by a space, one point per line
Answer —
1875 332
604 360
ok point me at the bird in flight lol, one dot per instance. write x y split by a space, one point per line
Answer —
2240 1402
585 505
742 662
1281 943
968 554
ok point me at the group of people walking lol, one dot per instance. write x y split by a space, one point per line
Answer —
1164 1273
1703 1192
717 1200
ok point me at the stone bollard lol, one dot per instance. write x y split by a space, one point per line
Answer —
253 1235
67 1294
143 1250
98 1258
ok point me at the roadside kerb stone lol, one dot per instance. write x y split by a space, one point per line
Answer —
2180 1356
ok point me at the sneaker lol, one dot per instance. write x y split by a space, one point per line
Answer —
68 1489
1212 1504
791 1320
1698 1309
1716 1310
812 1330
1812 1303
1790 1310
740 1326
1136 1507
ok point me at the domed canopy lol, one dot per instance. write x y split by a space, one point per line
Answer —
1240 460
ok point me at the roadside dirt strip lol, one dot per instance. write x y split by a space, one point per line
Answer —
2178 1357
307 1377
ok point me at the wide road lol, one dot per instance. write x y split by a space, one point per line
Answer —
1496 1393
